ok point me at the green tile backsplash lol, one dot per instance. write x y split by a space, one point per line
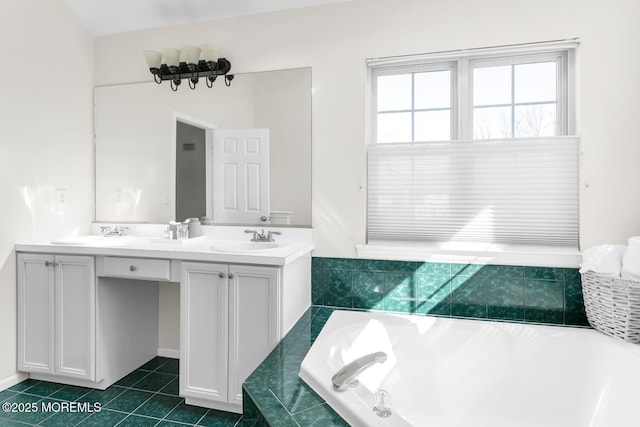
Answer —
498 292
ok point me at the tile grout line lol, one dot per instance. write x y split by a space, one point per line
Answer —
154 393
283 405
164 418
129 413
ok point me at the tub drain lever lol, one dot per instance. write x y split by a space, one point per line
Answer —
348 374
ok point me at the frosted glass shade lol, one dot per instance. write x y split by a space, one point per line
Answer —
153 58
210 52
190 54
171 56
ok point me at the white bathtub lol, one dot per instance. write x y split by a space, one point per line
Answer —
469 373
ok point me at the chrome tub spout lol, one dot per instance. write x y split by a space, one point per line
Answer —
348 374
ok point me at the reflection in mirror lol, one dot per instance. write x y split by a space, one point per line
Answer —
155 150
191 171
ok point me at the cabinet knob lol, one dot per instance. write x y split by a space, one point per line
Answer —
231 276
132 268
48 264
221 275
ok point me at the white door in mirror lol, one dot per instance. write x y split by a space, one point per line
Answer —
240 175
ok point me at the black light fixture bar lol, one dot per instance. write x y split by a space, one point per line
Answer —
185 71
185 64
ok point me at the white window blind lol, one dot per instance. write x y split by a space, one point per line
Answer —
513 192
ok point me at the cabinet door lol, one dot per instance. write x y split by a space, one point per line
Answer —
35 313
203 331
75 301
254 304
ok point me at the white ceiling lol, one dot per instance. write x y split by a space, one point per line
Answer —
102 17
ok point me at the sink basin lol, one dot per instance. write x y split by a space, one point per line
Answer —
243 247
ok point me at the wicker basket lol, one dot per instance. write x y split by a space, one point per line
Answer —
612 305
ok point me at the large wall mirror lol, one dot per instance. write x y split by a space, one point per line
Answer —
155 148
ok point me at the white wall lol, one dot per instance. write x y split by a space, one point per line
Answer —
45 139
335 40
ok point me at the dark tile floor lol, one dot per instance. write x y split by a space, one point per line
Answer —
146 397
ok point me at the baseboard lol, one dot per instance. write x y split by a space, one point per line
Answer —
13 380
169 352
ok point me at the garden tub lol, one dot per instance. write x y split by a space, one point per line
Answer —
454 372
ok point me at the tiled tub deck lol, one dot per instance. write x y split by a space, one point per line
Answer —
273 395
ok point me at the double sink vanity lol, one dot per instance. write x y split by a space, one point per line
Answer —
88 306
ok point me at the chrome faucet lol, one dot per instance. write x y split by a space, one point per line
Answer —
262 237
119 231
347 376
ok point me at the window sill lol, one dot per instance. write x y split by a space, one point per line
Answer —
473 254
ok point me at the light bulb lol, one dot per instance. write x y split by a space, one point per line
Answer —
190 54
153 58
171 56
210 52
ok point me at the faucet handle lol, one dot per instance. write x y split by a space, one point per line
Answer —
255 235
270 235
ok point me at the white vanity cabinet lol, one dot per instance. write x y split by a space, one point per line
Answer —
79 328
231 318
88 314
56 315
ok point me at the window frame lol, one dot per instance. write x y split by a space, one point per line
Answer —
415 69
462 63
560 57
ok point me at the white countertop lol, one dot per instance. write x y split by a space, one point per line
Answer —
209 248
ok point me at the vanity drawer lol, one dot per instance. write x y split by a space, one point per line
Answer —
137 268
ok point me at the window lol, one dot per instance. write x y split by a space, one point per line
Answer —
474 147
414 106
518 97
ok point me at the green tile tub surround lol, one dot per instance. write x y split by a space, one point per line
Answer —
498 292
275 396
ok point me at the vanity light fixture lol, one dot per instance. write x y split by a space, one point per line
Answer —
191 63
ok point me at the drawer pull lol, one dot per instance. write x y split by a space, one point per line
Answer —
48 264
132 268
221 275
230 275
